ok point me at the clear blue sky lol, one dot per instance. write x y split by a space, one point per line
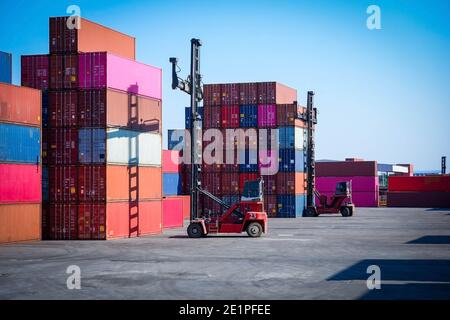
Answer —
382 95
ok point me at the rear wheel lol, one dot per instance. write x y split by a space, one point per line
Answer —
346 212
254 230
310 212
195 230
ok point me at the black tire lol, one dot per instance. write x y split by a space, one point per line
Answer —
310 212
195 231
346 212
254 230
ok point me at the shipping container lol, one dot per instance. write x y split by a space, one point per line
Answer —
64 71
63 184
172 184
270 184
171 162
248 93
63 109
172 213
291 183
89 37
439 183
346 168
45 184
112 108
248 160
212 182
91 221
20 105
230 94
292 137
267 116
291 160
100 70
411 199
35 71
230 116
20 144
286 114
230 183
61 221
290 206
249 116
20 183
212 117
212 94
186 206
20 222
45 109
60 146
271 205
120 147
268 163
5 67
275 93
359 184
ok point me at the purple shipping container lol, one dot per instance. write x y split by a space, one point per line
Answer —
359 184
35 71
98 70
267 116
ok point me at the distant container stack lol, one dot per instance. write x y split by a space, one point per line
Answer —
363 176
421 191
5 67
20 164
102 144
270 109
176 206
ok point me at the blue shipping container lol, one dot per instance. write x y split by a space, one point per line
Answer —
19 144
248 161
171 184
176 139
292 160
290 206
5 67
188 116
92 146
249 116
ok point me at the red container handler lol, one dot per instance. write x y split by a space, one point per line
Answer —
243 177
20 183
35 71
420 183
63 109
172 212
20 105
64 71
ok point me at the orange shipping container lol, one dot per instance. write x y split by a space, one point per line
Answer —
20 222
90 37
20 105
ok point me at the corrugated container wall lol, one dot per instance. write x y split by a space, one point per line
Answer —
5 67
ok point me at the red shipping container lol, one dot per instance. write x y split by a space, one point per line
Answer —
63 184
92 222
230 94
286 114
61 146
92 183
63 72
270 184
63 109
171 161
20 105
90 37
20 183
243 177
172 213
428 199
212 94
35 71
346 168
271 205
248 93
275 93
186 207
230 183
212 117
62 222
421 183
290 183
230 116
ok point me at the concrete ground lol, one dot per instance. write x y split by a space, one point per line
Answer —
309 258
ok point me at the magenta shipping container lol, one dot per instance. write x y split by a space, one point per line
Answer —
267 116
360 199
99 70
359 184
172 212
20 183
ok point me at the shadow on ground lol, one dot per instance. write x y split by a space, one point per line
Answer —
431 240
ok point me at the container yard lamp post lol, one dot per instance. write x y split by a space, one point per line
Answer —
192 86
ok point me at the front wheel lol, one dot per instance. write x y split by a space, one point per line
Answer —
310 212
346 212
195 230
254 230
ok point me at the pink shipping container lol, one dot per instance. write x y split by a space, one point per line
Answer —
361 199
98 70
171 162
35 71
359 184
20 183
267 116
172 213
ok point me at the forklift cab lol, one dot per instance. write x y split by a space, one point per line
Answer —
253 191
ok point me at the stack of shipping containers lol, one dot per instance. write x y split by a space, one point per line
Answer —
20 164
102 136
271 110
176 206
421 191
362 174
5 67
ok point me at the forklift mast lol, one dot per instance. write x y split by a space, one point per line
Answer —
311 120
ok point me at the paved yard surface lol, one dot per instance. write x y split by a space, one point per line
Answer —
314 258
